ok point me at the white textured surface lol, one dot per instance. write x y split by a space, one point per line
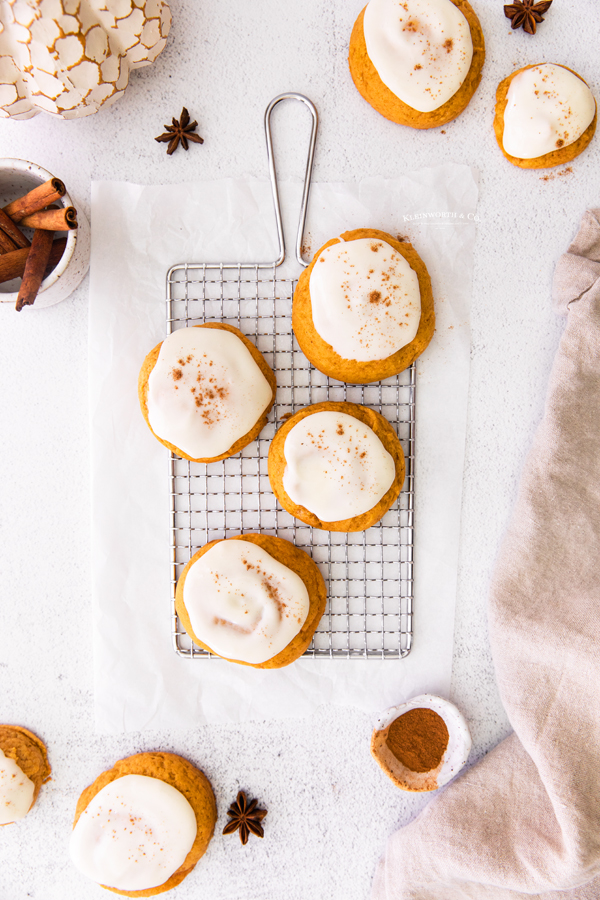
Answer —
327 799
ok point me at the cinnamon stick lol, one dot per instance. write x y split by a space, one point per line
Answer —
35 266
10 230
12 265
37 199
61 219
6 245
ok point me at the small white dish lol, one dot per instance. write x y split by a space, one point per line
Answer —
17 177
453 759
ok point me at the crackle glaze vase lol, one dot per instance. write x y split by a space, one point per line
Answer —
70 57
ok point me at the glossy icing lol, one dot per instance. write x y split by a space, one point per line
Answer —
134 834
365 299
422 49
205 392
547 108
16 791
336 466
243 603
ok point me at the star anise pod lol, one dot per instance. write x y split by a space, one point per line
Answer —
527 13
246 817
180 131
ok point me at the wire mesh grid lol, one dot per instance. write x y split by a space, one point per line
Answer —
369 575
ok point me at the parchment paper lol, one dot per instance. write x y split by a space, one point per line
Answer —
137 234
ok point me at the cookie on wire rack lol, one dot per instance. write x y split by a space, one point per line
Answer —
253 599
363 310
205 391
336 466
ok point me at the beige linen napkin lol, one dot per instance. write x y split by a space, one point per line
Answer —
525 822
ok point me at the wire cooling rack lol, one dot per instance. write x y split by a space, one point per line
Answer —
369 575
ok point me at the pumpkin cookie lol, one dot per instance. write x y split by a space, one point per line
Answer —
363 310
205 394
545 116
417 62
336 466
252 599
142 826
24 768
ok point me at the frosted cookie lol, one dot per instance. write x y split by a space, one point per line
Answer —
421 745
206 391
252 599
142 826
417 62
336 466
545 116
363 310
24 768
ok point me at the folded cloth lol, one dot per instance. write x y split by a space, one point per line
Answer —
525 821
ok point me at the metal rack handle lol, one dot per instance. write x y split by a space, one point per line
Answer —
291 95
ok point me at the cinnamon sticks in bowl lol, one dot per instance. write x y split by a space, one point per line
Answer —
39 198
12 265
35 266
32 259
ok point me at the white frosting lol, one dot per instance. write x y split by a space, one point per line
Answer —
205 391
547 108
365 299
243 603
134 834
16 791
422 49
336 466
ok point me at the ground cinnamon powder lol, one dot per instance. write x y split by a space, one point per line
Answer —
418 739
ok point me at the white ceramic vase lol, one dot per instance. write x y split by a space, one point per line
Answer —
70 57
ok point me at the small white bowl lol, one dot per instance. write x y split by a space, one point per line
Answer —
453 759
17 177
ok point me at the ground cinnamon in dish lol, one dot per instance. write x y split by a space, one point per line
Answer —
418 739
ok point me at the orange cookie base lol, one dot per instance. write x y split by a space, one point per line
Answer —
378 95
323 356
557 157
296 560
412 782
188 780
251 435
29 753
386 435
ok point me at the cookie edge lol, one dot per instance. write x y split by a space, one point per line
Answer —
32 739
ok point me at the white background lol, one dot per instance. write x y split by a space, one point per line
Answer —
330 807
